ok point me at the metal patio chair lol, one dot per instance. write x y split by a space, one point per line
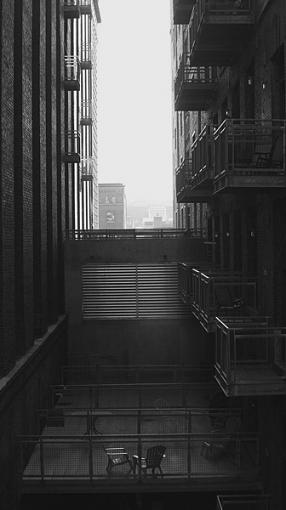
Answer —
117 457
153 459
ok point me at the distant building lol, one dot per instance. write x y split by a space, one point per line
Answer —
149 216
112 206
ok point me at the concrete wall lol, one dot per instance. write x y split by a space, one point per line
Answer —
140 341
134 251
133 341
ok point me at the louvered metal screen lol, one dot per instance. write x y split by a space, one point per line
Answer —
145 291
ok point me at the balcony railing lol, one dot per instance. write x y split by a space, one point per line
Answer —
87 168
150 233
243 502
217 30
85 6
154 373
93 421
250 154
86 112
202 161
86 55
183 180
71 9
72 72
182 11
250 356
221 294
188 457
134 395
185 282
72 153
195 87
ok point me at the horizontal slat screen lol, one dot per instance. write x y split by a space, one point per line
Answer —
144 291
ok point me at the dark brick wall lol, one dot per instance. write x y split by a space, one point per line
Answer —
27 169
61 177
27 391
7 337
32 220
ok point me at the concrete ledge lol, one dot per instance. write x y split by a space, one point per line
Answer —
24 368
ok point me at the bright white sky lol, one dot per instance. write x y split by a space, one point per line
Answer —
134 98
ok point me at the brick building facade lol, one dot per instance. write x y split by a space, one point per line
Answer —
229 162
38 203
112 206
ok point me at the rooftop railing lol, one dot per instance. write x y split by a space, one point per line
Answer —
222 294
243 502
112 234
250 153
187 457
250 356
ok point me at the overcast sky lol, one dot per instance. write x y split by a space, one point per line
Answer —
134 98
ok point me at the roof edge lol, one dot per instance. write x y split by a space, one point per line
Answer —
97 11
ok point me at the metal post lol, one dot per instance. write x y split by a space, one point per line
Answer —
140 397
42 460
139 453
90 457
189 455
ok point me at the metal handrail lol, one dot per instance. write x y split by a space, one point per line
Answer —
187 73
236 447
72 67
240 501
258 145
137 234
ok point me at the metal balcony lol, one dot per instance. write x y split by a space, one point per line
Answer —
86 112
72 73
72 152
68 458
243 502
249 153
202 161
85 6
201 443
221 294
250 356
87 169
86 56
182 11
184 189
185 280
71 9
218 30
195 87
